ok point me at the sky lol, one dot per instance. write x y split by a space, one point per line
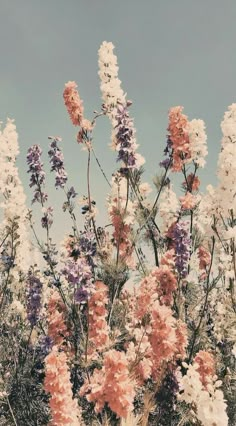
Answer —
170 52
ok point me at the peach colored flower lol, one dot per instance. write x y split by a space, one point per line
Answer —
204 257
193 182
179 137
57 328
206 366
188 201
112 385
73 103
97 313
64 409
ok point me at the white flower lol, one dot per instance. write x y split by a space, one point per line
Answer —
197 142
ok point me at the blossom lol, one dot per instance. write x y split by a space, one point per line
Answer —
192 182
178 134
180 241
204 257
13 205
57 163
64 409
57 329
37 173
205 366
112 385
189 201
33 298
98 328
210 407
108 73
168 207
73 103
197 142
47 218
79 274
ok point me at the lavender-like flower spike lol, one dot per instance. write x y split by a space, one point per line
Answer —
57 162
125 141
37 177
47 219
181 240
33 298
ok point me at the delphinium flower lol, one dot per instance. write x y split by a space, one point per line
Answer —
116 107
35 287
180 241
98 332
80 276
208 405
56 318
64 409
192 182
14 203
125 140
108 72
122 214
206 366
112 385
179 136
189 201
159 337
197 142
226 163
204 257
73 103
57 162
169 207
37 174
47 218
75 110
167 162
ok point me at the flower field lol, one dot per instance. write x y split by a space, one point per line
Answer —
131 323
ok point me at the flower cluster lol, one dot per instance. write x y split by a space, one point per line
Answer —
111 385
57 163
37 174
180 241
64 409
34 298
97 318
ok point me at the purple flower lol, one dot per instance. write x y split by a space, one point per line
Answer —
33 298
37 177
168 153
125 136
181 243
57 163
47 219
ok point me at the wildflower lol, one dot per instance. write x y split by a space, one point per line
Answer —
37 177
33 298
111 385
57 163
178 134
73 103
64 409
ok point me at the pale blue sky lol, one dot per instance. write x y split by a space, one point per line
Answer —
170 52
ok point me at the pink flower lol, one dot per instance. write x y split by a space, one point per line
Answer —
193 182
57 328
206 366
64 409
98 327
73 103
188 201
204 257
178 124
112 385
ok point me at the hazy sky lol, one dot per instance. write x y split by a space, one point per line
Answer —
170 52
